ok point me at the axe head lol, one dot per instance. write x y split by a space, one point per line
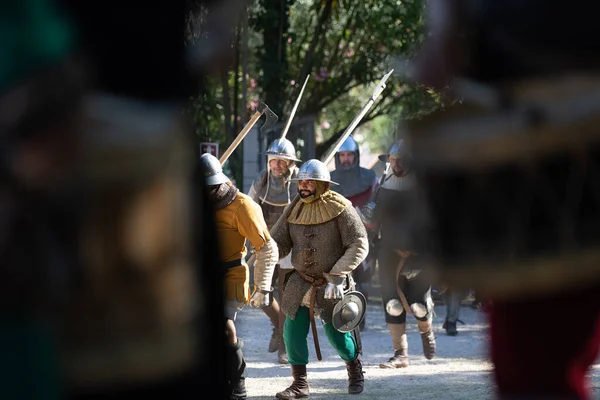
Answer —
270 117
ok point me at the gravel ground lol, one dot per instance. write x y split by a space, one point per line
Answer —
461 369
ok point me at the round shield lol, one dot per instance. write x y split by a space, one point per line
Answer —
349 312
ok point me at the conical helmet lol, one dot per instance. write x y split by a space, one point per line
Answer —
314 170
282 148
213 172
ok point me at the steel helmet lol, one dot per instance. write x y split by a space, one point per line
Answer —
314 170
399 149
351 146
282 148
213 172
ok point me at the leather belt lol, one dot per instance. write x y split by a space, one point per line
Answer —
316 283
233 264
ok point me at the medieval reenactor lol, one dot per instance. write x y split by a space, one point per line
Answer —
356 184
273 189
405 289
506 218
239 219
327 241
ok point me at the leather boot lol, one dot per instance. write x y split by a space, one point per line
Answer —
236 368
450 328
398 360
400 343
298 388
356 378
428 338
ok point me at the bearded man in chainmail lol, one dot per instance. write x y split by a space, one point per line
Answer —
404 286
238 219
273 190
327 241
356 184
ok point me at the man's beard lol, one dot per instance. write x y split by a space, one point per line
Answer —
307 193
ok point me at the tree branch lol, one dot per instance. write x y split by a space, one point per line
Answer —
336 95
304 38
322 147
321 23
334 57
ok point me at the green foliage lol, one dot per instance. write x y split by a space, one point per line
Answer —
206 114
345 45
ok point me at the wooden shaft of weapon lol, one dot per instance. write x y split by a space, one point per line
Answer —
348 131
289 122
240 137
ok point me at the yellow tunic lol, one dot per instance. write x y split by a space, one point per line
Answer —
240 220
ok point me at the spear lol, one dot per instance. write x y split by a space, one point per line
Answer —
289 121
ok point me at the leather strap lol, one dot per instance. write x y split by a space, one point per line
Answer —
315 282
404 255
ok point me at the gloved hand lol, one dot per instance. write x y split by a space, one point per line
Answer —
237 286
335 286
260 298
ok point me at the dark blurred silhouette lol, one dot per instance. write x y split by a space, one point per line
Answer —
107 287
512 180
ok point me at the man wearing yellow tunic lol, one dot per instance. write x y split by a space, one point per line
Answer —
239 218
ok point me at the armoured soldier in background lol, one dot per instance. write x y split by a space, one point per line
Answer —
356 184
238 218
273 189
405 288
327 241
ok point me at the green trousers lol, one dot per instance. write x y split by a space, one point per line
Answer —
295 333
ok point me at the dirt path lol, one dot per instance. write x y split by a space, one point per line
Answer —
460 371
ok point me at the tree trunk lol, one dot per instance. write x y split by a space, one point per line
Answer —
274 24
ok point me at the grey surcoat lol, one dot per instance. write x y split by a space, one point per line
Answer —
338 245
